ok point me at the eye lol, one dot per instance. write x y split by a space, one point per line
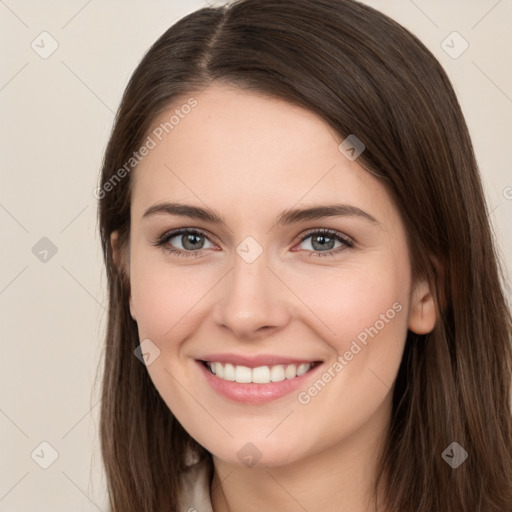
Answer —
324 240
191 241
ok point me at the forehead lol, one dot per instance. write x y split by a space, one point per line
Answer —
245 150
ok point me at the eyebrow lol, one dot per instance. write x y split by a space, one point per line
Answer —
286 217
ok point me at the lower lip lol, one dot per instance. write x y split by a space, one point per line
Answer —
252 393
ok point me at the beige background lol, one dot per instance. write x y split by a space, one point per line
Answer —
56 116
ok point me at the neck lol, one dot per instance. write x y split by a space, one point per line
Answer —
335 478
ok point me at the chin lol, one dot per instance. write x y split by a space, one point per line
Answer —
257 453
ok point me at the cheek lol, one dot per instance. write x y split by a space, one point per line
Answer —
343 302
166 299
366 314
361 314
351 300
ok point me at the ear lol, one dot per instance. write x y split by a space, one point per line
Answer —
116 256
119 262
422 309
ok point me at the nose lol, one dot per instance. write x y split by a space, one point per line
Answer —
253 300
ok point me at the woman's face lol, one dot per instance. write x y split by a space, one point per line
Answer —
257 284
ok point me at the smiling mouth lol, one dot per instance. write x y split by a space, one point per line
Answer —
260 374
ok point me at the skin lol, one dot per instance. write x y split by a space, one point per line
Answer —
249 157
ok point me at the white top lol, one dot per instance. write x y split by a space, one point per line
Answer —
196 490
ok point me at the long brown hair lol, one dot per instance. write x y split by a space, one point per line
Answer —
364 74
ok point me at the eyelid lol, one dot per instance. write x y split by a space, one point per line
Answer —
168 235
327 231
163 239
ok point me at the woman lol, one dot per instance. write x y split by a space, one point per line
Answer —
305 302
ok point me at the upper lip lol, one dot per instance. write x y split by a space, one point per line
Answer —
254 361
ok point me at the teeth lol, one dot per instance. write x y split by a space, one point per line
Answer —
291 371
229 371
259 375
277 373
302 369
243 374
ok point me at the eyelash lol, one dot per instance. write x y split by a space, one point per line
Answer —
347 242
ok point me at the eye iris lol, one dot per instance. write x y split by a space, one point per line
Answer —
188 239
323 244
